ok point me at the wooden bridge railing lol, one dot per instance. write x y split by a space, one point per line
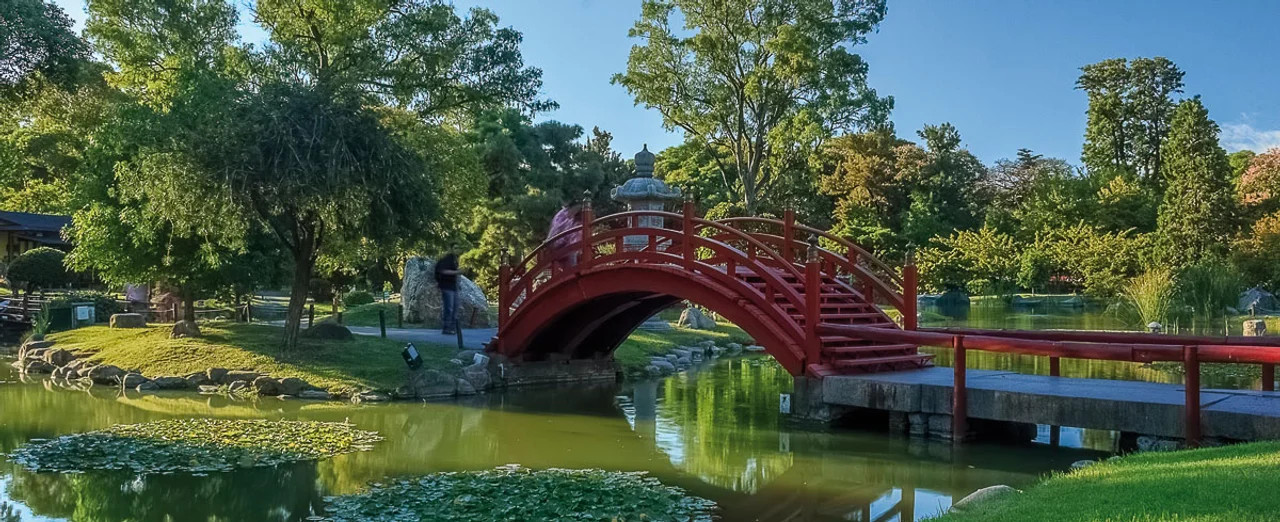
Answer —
1108 346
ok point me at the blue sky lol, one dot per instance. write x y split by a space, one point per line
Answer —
1002 71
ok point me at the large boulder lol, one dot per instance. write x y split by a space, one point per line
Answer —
266 386
132 380
424 384
478 376
328 331
106 374
38 366
238 376
421 297
58 357
293 386
128 321
184 329
693 318
31 346
171 382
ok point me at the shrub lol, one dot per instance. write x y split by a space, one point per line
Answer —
40 268
357 298
321 290
1209 286
1151 295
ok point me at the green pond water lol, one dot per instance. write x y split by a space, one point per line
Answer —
715 431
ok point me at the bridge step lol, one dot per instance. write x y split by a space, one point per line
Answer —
858 350
896 361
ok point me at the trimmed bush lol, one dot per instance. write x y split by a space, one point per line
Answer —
357 298
40 268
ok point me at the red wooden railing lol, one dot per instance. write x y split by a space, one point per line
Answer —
1109 346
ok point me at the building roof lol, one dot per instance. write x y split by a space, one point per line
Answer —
27 222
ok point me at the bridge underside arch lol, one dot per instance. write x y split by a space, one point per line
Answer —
590 314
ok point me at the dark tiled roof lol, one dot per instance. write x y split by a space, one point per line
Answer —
23 221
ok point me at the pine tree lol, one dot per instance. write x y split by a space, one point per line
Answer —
1198 214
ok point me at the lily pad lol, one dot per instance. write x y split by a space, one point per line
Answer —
194 446
552 494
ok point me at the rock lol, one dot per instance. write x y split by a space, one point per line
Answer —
171 382
684 362
1148 443
984 495
293 386
132 380
682 353
208 388
59 373
147 386
18 365
1255 328
693 318
672 358
83 371
75 365
421 297
1257 300
184 329
33 345
127 321
330 331
371 396
236 386
456 362
717 351
38 366
431 383
216 375
1081 464
33 354
707 344
105 374
239 376
465 387
663 365
198 379
320 395
755 348
58 356
652 371
266 386
733 348
467 356
478 376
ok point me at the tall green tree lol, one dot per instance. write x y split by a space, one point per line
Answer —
36 40
1199 212
1130 106
756 81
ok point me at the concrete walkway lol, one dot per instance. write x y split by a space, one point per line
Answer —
1139 407
472 339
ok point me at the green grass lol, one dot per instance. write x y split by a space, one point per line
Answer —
633 356
1230 483
364 362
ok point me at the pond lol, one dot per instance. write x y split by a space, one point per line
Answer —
715 432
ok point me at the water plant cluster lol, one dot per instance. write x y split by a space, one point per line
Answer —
517 493
194 445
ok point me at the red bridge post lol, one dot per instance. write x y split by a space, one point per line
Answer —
959 391
504 284
690 250
813 303
588 216
910 293
1191 363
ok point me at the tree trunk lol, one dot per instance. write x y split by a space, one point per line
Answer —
302 267
188 306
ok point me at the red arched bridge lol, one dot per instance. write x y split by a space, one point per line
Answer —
581 293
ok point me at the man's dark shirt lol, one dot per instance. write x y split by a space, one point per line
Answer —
447 281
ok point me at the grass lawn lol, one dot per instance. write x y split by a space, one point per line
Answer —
361 363
633 356
1230 483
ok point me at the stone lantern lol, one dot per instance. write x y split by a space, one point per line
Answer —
644 192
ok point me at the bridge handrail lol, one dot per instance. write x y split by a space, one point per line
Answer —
1190 354
893 295
517 279
1113 337
850 245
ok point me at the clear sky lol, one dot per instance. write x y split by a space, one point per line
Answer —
1002 71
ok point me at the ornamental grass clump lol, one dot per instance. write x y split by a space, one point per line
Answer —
516 493
194 446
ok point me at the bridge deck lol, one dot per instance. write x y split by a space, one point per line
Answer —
1131 406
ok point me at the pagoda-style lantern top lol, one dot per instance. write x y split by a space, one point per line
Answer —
645 192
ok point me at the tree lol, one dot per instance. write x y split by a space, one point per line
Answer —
36 40
1031 194
1198 214
1130 106
758 81
39 268
289 137
943 189
863 174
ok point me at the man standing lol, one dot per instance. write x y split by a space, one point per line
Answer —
447 281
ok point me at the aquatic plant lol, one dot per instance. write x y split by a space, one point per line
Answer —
39 324
552 494
1207 288
194 445
1150 296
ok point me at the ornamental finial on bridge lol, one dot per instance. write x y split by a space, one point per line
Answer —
814 254
586 198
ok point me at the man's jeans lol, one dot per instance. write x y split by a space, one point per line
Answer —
448 310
